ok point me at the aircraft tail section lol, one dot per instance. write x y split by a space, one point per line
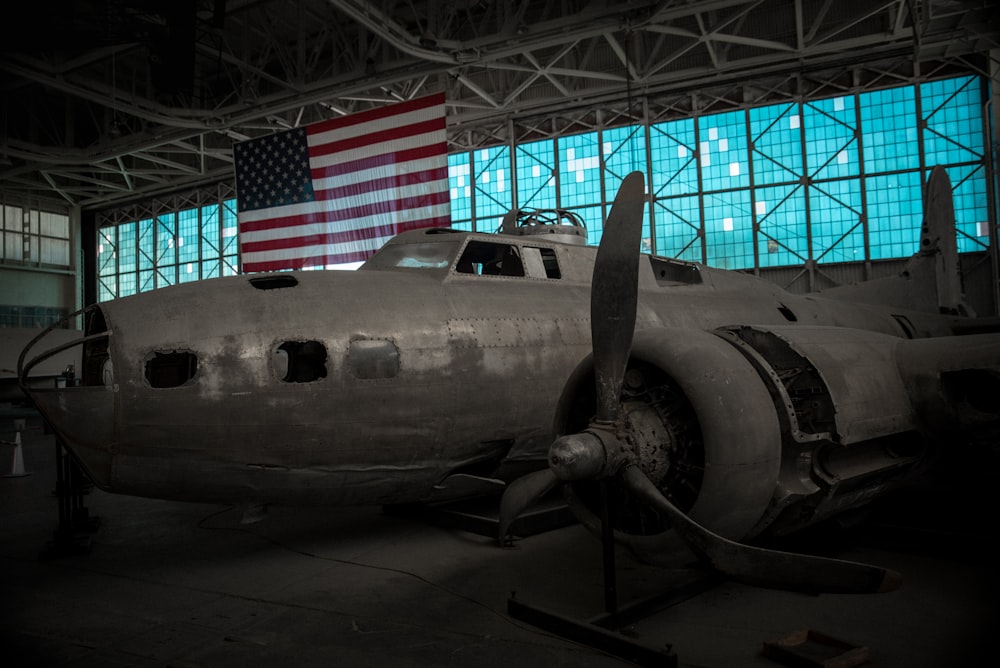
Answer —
932 278
937 240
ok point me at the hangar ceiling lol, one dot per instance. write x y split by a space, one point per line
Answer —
112 101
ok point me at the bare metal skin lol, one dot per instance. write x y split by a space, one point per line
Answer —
423 375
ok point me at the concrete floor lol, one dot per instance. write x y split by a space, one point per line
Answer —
173 584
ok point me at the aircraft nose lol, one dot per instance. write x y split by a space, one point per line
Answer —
82 416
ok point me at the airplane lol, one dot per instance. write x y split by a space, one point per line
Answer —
713 407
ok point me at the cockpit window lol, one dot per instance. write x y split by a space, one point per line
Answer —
490 259
673 272
486 258
414 256
549 262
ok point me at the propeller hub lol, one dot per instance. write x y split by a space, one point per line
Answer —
577 457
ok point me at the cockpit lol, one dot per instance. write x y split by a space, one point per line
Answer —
467 255
431 248
496 258
413 256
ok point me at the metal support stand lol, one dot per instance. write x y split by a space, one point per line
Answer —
604 632
73 535
608 546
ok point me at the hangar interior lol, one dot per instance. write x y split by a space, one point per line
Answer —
789 139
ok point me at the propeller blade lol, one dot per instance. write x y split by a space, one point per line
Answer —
520 494
613 309
614 292
763 567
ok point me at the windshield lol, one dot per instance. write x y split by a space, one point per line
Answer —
436 255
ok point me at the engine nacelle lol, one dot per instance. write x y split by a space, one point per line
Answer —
754 429
711 437
849 429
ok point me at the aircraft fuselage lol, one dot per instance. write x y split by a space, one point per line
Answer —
373 386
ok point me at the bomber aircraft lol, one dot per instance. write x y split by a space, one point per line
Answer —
714 406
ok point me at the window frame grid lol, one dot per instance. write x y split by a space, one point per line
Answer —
839 127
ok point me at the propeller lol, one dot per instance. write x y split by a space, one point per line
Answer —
614 331
614 293
605 448
763 567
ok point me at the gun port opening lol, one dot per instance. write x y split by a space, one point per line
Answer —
171 369
300 361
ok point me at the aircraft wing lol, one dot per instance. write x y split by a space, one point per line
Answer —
953 383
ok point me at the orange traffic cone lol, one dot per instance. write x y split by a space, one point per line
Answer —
16 459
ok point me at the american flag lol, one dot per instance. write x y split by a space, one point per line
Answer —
333 192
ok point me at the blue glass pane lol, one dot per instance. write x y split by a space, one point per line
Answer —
971 212
624 151
127 284
954 122
780 212
646 241
889 130
579 170
678 223
146 250
776 132
465 225
210 269
491 174
166 251
210 231
188 236
729 230
834 133
674 167
831 144
536 175
837 231
895 214
165 275
593 218
722 151
146 281
107 246
460 183
230 228
188 272
127 249
107 288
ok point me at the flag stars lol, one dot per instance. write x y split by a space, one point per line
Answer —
273 170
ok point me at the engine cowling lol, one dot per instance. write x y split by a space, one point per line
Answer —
706 434
850 431
752 429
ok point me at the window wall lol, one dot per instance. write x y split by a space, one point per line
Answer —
167 248
829 180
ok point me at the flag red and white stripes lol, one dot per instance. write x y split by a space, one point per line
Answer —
335 191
